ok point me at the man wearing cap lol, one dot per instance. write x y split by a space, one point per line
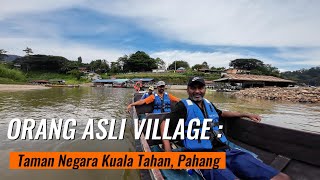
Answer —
162 100
240 164
147 94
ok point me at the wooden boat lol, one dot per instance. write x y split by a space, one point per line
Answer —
293 152
119 85
62 85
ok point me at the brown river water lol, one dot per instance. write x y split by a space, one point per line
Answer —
110 103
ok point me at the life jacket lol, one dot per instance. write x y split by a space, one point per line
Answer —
145 95
215 142
163 105
137 86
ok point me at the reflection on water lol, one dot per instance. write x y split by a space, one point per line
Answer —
97 103
78 103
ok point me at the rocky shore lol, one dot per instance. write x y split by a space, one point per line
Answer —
293 94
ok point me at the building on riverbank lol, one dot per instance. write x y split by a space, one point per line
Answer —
146 82
111 82
248 81
102 82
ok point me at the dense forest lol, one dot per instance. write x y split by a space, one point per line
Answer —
307 76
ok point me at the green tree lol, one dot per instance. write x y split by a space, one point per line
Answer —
197 67
122 61
160 63
43 63
99 66
2 54
79 61
28 51
115 68
177 64
304 76
204 65
267 69
76 73
247 64
138 62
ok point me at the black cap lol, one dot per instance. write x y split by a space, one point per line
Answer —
193 80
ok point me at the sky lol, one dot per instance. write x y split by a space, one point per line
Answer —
282 33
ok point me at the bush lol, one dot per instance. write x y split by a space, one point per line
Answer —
13 74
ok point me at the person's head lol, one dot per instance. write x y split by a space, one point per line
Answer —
150 90
196 88
160 86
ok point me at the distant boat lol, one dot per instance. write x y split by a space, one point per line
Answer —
119 85
62 85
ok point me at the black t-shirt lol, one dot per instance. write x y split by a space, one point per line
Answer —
180 112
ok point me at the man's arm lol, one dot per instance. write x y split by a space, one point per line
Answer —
229 114
137 103
147 100
173 98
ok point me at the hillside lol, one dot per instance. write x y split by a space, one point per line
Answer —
11 57
307 76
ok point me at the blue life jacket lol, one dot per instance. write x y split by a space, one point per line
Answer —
145 95
215 141
163 105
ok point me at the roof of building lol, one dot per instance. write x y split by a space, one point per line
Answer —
249 77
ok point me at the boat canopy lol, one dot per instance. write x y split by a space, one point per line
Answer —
119 81
142 79
110 81
106 81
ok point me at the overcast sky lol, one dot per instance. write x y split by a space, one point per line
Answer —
282 33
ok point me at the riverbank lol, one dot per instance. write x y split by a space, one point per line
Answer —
19 87
177 87
301 94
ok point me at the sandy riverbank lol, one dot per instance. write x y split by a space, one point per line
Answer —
18 87
177 87
86 85
300 94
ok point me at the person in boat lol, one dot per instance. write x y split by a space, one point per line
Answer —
162 100
147 94
138 86
240 164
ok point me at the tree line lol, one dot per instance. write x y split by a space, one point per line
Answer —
304 76
142 62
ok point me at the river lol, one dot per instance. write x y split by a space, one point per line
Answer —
103 102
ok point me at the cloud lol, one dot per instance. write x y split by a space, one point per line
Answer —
72 28
216 59
67 49
233 23
236 23
300 56
14 8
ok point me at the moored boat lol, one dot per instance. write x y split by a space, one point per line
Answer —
293 152
62 85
